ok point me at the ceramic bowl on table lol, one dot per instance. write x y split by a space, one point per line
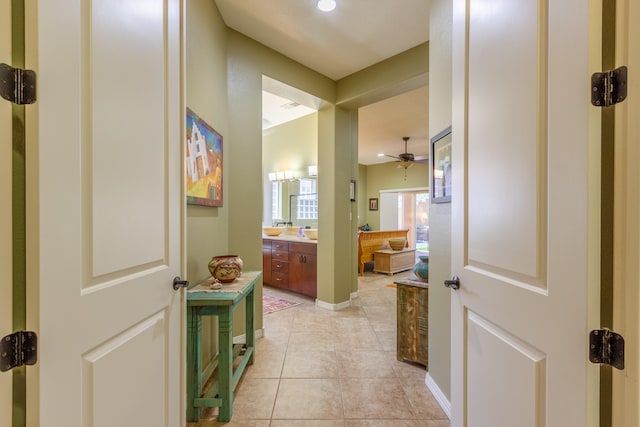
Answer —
397 244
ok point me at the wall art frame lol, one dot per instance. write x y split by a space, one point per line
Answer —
204 162
441 164
352 190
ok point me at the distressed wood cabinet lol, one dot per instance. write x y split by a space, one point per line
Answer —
413 323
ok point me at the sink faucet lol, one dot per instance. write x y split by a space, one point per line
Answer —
279 223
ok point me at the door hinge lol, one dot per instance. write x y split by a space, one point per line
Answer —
606 347
17 349
17 85
609 88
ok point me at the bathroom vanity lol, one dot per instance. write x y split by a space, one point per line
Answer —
290 263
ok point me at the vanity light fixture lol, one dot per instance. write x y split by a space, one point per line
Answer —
280 175
326 5
313 170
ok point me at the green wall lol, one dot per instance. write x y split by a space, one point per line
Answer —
206 87
387 176
247 62
224 86
440 214
289 146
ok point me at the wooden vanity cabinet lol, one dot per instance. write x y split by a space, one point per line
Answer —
290 265
303 268
266 261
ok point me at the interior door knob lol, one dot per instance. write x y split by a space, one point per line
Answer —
454 283
179 283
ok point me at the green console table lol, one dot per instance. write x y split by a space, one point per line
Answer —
204 301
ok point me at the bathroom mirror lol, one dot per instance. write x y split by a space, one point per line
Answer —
295 202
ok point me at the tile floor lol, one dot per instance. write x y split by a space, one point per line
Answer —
319 368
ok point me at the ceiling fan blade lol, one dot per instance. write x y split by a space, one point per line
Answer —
393 157
422 159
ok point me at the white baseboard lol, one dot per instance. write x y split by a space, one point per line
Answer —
354 295
439 395
241 339
333 307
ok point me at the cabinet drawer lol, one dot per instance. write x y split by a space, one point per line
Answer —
304 248
279 279
279 246
279 265
279 254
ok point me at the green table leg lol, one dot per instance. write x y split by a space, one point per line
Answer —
249 328
225 367
194 363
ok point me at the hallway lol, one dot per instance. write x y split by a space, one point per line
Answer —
317 368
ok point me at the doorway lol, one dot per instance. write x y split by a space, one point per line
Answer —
407 209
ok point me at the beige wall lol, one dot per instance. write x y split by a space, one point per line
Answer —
440 214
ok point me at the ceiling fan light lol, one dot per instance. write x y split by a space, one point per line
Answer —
326 5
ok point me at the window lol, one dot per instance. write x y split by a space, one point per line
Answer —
307 206
276 200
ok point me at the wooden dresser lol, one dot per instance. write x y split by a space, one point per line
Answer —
290 265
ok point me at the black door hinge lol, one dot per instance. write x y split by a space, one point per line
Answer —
17 85
17 349
606 347
609 88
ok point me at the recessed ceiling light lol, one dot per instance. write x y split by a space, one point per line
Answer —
380 154
326 5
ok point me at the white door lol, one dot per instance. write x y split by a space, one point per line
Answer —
6 259
520 213
104 212
626 383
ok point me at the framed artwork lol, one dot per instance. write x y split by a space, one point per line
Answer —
441 167
352 191
204 162
373 204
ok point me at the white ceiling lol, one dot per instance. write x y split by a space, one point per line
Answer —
356 35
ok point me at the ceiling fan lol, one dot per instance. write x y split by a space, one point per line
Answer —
407 159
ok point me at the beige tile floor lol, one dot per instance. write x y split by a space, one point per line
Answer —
319 368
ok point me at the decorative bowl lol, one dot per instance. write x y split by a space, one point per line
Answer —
397 244
272 231
225 268
311 233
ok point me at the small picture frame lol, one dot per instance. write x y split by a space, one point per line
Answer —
352 190
373 204
441 167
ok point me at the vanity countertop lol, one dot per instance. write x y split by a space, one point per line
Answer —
289 238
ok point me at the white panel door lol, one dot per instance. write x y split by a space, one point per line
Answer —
388 211
626 320
520 214
104 212
6 259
